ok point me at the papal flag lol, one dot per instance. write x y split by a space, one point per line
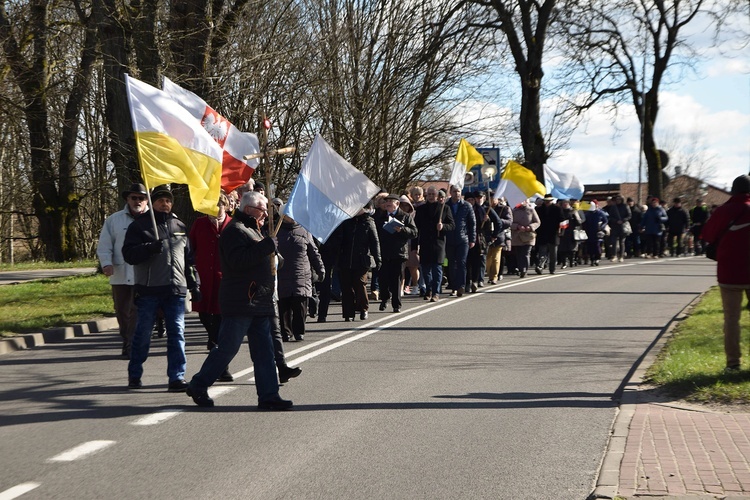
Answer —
518 183
235 144
562 185
328 191
466 158
173 147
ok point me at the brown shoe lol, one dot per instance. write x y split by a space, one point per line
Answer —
460 292
435 298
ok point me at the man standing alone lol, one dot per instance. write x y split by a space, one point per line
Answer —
120 273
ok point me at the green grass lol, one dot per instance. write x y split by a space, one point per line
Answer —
34 306
691 364
26 266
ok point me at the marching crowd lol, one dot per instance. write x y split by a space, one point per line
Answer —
260 277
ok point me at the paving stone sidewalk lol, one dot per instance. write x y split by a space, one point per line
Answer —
673 451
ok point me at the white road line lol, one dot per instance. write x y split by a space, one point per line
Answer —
366 329
156 418
17 491
81 451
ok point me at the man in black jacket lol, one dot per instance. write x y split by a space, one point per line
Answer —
163 275
246 298
395 229
433 221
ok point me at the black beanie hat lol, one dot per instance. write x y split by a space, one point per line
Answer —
741 185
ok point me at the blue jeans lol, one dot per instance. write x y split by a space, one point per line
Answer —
433 277
457 255
173 307
233 331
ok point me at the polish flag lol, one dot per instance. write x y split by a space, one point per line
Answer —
235 171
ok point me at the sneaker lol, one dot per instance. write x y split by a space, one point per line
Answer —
397 309
613 259
452 294
383 306
480 284
460 292
491 282
276 404
473 288
135 383
428 296
435 298
363 315
201 398
177 385
538 270
226 376
621 259
522 274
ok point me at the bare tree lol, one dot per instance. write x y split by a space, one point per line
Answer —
627 50
49 83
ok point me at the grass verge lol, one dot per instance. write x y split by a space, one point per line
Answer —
26 266
691 365
34 306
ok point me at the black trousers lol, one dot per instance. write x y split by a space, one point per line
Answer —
293 313
390 281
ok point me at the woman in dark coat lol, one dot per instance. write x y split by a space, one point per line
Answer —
301 258
359 251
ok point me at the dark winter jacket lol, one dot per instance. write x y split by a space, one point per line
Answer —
550 216
653 220
358 243
163 264
432 242
465 229
678 220
395 246
301 258
247 281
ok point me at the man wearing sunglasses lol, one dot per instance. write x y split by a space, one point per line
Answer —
120 273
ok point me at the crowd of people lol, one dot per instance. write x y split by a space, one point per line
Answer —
252 275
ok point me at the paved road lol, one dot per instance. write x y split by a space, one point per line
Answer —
12 277
509 393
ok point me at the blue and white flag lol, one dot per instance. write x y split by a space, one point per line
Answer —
328 191
562 185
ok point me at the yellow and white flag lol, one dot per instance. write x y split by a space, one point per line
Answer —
173 147
518 183
466 158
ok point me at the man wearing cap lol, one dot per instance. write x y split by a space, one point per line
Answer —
729 229
120 273
163 275
395 229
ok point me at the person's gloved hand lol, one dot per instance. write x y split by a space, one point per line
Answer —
154 247
195 295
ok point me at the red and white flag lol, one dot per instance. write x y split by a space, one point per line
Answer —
235 171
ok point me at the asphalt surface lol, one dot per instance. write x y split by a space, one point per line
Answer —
13 277
507 393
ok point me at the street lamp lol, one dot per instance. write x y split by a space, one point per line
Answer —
489 172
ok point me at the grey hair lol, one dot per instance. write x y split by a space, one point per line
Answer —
252 198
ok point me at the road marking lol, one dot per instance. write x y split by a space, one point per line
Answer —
18 490
81 451
157 418
354 334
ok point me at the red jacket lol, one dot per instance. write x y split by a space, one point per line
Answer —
733 253
204 241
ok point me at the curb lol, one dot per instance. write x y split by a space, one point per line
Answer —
53 335
608 479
